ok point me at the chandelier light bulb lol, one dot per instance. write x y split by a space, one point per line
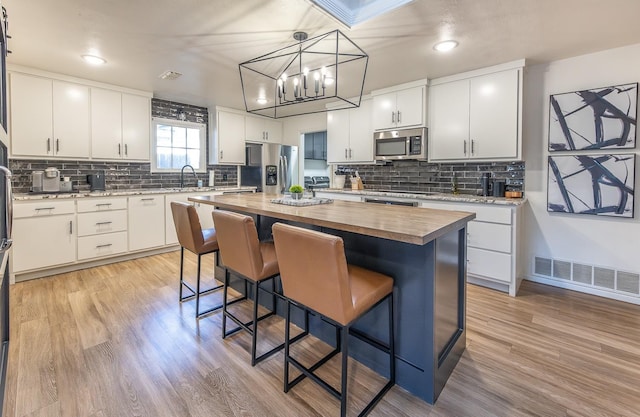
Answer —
316 82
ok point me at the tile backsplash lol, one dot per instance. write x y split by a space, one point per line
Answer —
434 177
121 175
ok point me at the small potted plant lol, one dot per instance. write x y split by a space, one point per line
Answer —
296 191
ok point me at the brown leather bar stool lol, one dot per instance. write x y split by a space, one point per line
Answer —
192 237
254 261
315 276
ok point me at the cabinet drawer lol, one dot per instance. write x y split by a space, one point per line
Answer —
489 236
102 222
102 245
491 214
484 212
494 265
146 201
43 208
101 204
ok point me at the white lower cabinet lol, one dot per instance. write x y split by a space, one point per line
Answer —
106 244
44 235
492 244
102 227
489 264
58 235
146 220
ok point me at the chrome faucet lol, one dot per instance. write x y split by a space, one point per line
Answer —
182 174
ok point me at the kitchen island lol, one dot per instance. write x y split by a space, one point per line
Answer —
423 249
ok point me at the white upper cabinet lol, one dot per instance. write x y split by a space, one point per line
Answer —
260 129
449 120
106 123
49 117
476 118
338 136
229 138
136 120
350 135
398 109
493 115
119 125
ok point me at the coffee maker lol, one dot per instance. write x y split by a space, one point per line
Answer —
47 181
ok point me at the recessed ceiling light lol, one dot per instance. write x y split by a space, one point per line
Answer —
445 46
93 59
261 100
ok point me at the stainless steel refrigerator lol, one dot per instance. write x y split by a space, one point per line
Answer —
270 167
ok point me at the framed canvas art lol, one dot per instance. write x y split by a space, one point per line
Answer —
601 118
601 185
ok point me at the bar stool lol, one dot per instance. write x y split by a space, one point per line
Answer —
195 240
315 276
253 261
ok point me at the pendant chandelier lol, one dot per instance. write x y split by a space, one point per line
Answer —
304 77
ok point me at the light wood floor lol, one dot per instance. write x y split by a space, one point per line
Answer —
114 341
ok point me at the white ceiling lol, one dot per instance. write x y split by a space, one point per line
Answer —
206 39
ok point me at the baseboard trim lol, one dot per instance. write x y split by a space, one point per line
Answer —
569 285
25 276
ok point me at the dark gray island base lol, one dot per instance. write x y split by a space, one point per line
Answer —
422 249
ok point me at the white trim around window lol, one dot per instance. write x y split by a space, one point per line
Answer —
175 143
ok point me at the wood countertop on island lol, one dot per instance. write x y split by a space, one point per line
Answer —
413 225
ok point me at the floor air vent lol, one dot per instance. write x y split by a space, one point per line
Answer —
604 277
561 269
543 266
628 282
597 277
582 273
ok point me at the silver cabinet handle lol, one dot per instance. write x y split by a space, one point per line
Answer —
393 117
102 223
350 154
465 147
104 246
399 116
267 134
472 146
48 145
45 208
57 145
103 204
119 149
221 154
126 150
70 227
147 199
345 153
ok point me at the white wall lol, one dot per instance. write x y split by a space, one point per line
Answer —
593 240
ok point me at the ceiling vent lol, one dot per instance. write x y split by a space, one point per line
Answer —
170 75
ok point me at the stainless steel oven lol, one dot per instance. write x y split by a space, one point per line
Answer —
401 144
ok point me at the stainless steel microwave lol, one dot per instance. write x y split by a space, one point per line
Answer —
400 144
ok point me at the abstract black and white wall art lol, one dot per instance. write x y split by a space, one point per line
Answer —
592 184
602 118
